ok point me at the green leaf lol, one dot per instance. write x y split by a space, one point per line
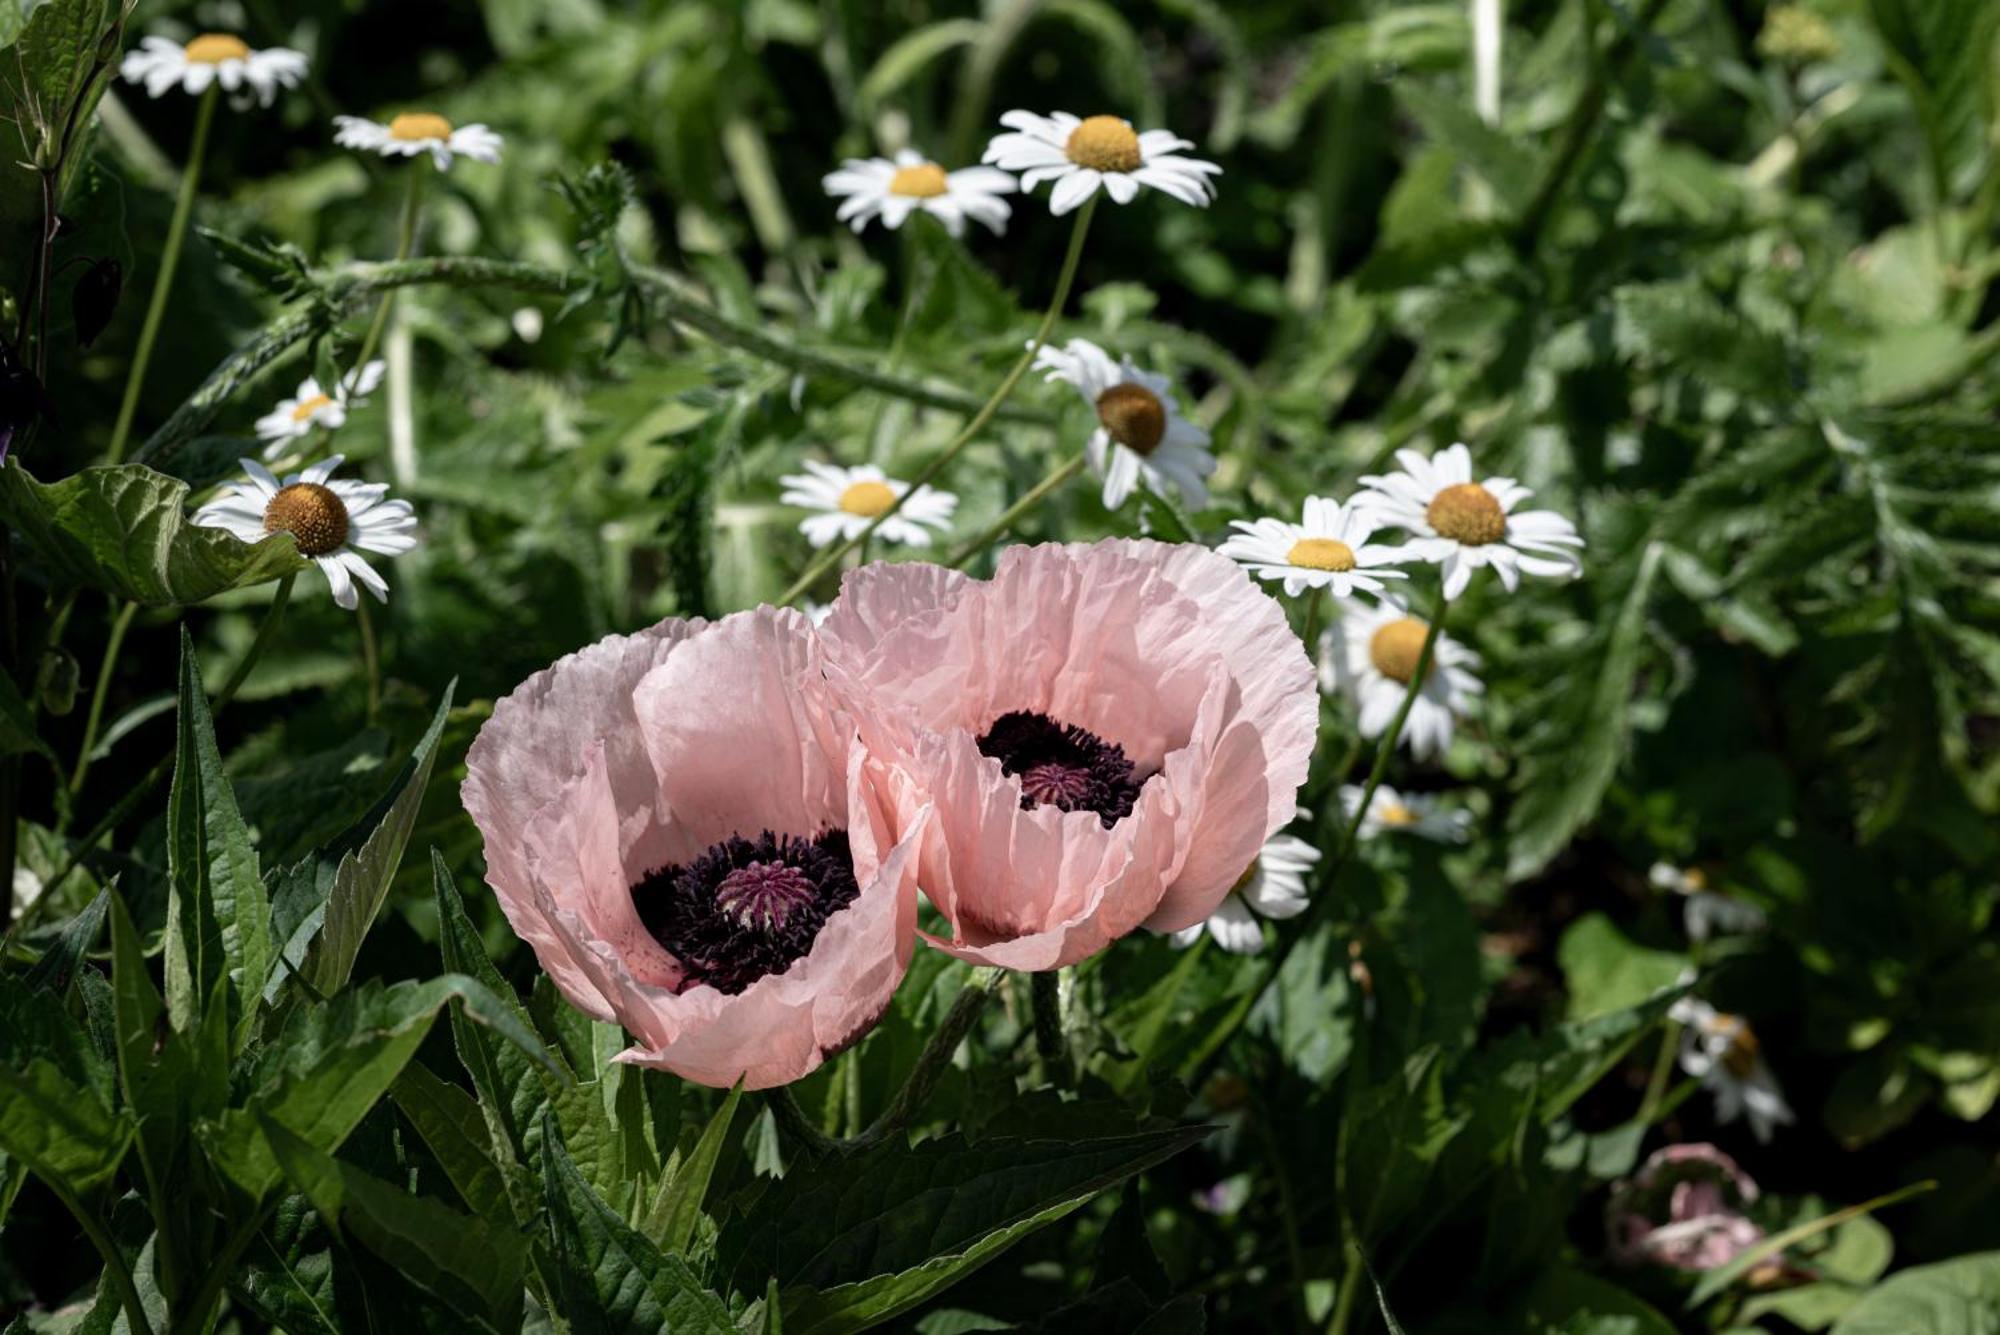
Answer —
124 529
1604 970
1943 51
1958 1297
1578 752
1498 159
325 1069
861 1238
1576 1303
608 1277
361 879
57 966
1715 1281
17 724
909 54
450 1122
61 1131
676 1208
218 916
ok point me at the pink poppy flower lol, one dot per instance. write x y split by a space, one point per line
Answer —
1684 1209
683 826
1107 734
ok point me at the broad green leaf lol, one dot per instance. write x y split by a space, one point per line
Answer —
609 1277
1604 970
676 1207
453 1127
322 1072
1498 159
361 880
1578 751
62 1132
1577 1303
861 1238
124 529
1958 1297
1943 50
218 915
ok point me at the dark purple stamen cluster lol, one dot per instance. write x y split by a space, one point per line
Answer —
747 907
1063 766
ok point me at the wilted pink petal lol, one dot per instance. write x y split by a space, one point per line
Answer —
1683 1208
1107 734
653 751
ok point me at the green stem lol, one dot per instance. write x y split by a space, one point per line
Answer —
1046 990
937 1054
163 284
107 1247
406 244
105 671
1315 599
831 558
999 527
1663 1070
371 656
137 793
1343 1299
793 1122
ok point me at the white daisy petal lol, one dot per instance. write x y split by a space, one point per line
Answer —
1079 155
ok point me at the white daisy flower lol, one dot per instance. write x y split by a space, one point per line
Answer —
332 522
1706 912
1408 813
1463 525
893 190
1140 433
211 59
1371 654
1272 886
313 407
1080 155
416 132
27 888
848 500
1720 1051
1329 550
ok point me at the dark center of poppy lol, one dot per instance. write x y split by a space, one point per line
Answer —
1062 766
747 907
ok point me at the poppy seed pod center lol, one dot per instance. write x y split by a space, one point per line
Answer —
867 499
747 908
212 48
1134 416
1467 513
925 180
1321 554
312 513
1062 766
1397 647
307 407
1104 144
419 125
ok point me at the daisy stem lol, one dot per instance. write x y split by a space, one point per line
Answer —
96 715
163 282
406 244
830 558
1315 599
999 527
371 658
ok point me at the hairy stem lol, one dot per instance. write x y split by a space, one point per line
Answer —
163 284
937 1054
831 558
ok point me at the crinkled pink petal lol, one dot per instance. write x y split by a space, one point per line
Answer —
1169 651
642 752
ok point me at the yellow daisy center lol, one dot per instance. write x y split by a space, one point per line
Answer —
1105 144
1133 415
212 48
867 499
923 181
1740 1057
314 516
1696 879
1395 813
418 125
307 407
1467 513
1396 648
1321 554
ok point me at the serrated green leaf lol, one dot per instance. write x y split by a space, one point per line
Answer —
609 1277
57 966
124 529
450 1122
1943 50
62 1132
855 1240
676 1208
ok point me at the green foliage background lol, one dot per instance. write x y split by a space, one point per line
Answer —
1720 284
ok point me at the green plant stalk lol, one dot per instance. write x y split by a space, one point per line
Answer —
931 1062
1012 514
137 793
1045 988
406 244
793 1122
105 671
831 558
107 1248
1343 1299
371 654
163 283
